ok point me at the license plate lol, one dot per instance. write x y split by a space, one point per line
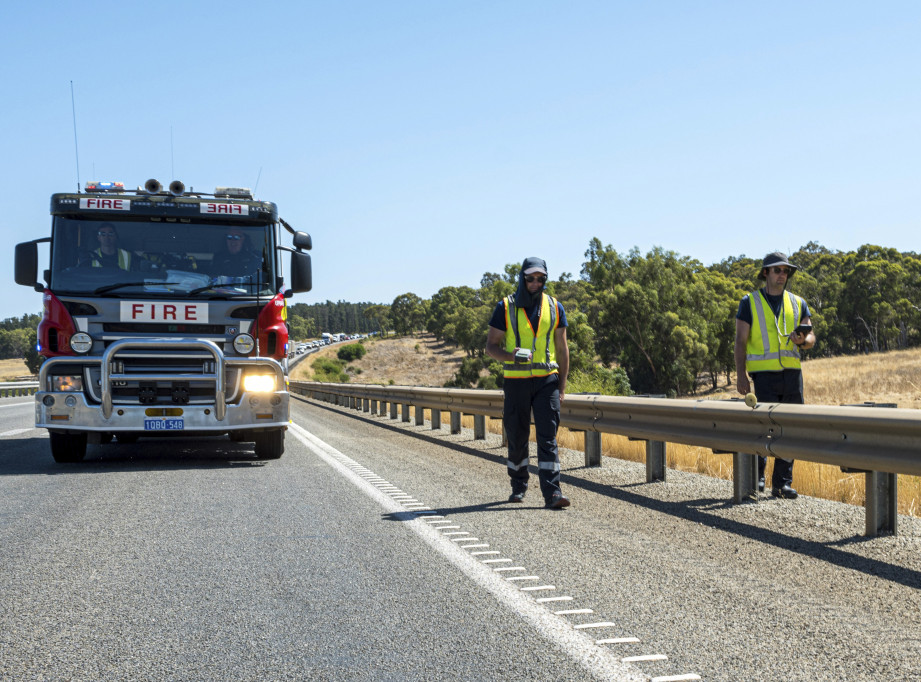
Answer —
163 425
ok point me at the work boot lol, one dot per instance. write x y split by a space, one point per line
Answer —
557 501
786 492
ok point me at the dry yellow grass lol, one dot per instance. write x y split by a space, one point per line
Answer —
892 377
403 361
11 370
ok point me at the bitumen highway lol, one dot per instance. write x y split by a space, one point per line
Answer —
377 549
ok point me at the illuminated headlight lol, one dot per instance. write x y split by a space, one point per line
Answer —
67 383
244 344
81 342
259 383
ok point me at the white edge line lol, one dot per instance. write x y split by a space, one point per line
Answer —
579 647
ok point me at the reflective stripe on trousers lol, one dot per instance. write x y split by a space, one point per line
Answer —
542 396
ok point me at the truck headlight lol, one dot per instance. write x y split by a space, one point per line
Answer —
243 344
67 383
259 383
81 342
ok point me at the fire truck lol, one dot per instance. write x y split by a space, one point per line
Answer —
164 315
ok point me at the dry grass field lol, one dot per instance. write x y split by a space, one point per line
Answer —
893 377
11 370
403 361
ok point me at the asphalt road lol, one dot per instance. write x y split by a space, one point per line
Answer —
370 552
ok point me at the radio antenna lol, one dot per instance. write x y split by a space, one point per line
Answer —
172 162
73 108
258 175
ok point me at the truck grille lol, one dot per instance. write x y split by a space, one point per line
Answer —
184 389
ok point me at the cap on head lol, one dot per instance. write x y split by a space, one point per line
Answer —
532 265
774 259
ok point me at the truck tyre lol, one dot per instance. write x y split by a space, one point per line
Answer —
67 448
270 444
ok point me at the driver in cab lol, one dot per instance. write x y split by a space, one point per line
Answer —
108 254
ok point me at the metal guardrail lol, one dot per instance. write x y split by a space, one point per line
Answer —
880 443
9 389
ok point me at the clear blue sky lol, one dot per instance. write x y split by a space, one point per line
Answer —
423 143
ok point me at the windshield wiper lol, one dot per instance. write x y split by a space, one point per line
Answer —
113 287
216 285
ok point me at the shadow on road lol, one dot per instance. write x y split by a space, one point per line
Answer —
32 456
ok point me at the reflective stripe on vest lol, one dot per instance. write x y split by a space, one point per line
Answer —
769 348
519 334
124 259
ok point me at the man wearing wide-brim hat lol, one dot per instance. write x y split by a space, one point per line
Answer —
773 326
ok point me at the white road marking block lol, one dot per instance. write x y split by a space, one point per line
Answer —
602 624
618 640
649 657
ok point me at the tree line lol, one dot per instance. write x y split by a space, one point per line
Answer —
667 320
663 319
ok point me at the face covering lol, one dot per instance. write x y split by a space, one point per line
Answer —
524 298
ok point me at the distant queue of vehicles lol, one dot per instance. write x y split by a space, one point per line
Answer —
326 340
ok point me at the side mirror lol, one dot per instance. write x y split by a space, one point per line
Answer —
301 274
26 268
302 240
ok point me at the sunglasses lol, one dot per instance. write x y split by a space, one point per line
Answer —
235 237
786 271
535 278
106 234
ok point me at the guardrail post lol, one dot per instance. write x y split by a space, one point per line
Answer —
420 415
382 408
436 419
455 422
744 476
393 410
593 449
479 427
882 494
405 410
655 461
373 407
366 405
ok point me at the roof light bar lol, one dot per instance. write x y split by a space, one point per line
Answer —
94 186
234 192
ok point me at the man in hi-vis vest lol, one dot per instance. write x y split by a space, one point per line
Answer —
772 327
108 255
527 333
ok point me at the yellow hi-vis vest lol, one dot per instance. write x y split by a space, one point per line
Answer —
769 348
124 259
520 334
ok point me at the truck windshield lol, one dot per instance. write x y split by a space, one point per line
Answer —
106 257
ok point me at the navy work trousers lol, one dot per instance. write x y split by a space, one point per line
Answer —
542 396
785 386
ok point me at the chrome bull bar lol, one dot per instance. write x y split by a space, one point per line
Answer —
108 358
